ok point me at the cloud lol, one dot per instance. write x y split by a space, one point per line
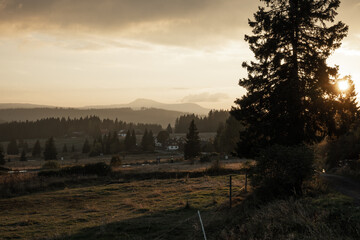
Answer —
179 22
205 97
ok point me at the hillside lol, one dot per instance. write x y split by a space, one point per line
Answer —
159 116
147 103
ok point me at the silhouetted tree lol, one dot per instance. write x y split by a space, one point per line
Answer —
143 140
291 91
86 146
23 156
129 141
2 157
115 146
133 140
192 145
169 129
36 151
162 137
227 136
73 148
12 148
50 151
65 150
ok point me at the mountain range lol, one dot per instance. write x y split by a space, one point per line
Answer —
135 105
138 111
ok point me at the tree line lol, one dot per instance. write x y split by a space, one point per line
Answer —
60 127
208 123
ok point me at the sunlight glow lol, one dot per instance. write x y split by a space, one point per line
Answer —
343 85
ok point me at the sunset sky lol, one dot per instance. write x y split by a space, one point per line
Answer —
90 52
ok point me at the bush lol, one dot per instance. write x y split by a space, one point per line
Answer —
281 170
115 161
215 168
51 165
99 169
205 159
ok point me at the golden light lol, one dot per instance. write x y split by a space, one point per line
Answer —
343 85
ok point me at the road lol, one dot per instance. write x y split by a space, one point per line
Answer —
344 185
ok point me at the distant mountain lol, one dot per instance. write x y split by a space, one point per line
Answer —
157 116
22 105
147 103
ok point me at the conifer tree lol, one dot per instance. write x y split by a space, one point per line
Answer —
73 148
12 148
128 141
169 129
86 146
50 151
23 156
144 141
133 140
36 151
192 145
150 142
291 91
2 157
64 150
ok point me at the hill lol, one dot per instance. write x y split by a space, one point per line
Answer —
22 105
158 116
147 103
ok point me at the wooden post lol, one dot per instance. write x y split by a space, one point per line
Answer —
230 193
246 181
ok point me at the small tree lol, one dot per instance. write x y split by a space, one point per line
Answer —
133 140
73 148
2 157
129 146
115 161
192 145
169 129
86 146
162 137
50 151
36 151
12 148
23 156
144 141
65 149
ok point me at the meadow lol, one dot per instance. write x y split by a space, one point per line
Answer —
115 207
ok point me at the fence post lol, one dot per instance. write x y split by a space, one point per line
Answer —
230 192
202 225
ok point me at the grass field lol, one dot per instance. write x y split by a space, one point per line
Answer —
133 210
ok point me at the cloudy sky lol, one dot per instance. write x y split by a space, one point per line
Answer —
89 52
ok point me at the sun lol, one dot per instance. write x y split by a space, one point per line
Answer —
343 85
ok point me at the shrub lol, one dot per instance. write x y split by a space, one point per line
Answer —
205 159
115 161
215 168
282 169
51 165
99 169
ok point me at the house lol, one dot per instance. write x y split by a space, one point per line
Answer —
172 147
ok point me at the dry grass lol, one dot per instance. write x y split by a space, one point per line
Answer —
70 213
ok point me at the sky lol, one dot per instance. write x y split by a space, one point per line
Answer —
89 52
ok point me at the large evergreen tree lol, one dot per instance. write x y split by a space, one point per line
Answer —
291 91
50 151
192 145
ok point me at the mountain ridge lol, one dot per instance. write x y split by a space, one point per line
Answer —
135 105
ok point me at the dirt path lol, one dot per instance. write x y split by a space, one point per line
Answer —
344 185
